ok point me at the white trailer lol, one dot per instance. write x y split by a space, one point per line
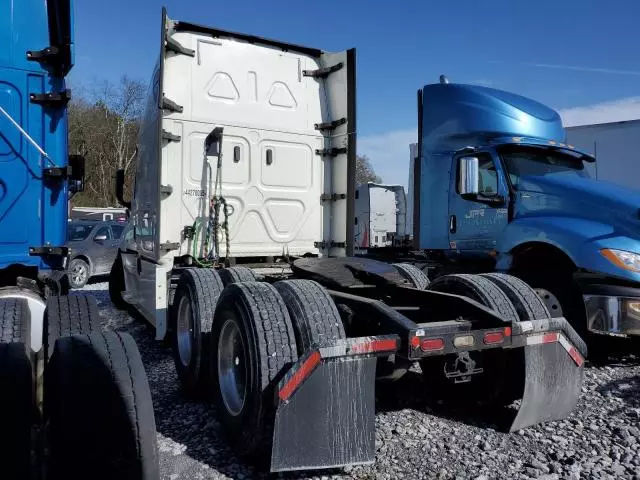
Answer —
380 215
615 145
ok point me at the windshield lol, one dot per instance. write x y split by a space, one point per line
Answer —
77 233
530 161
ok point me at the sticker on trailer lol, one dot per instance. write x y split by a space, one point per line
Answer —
452 245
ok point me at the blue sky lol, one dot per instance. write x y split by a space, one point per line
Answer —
581 57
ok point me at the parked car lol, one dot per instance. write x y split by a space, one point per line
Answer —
93 245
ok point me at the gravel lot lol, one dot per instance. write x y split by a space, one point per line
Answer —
601 439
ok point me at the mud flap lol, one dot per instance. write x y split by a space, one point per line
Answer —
325 415
553 371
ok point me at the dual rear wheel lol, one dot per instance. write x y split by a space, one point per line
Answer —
96 417
249 332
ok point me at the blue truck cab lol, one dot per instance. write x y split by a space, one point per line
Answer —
497 187
36 173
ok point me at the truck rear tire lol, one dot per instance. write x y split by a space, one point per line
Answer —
561 296
69 315
253 340
98 410
17 399
413 274
314 316
193 309
485 388
529 307
116 284
236 275
528 303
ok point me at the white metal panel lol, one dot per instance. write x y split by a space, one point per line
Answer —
362 217
263 101
616 147
337 105
271 205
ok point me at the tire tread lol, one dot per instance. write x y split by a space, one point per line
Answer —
314 315
413 274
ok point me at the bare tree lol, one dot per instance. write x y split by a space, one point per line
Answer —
103 126
364 171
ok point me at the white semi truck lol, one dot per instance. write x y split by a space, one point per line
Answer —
380 216
247 155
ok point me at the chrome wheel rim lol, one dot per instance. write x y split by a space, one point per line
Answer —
232 367
78 273
551 302
185 331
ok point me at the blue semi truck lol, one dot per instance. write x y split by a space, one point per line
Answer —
497 188
73 399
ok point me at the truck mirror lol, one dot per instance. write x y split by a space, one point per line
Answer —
76 179
120 189
469 180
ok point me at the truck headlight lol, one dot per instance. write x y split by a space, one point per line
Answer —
623 259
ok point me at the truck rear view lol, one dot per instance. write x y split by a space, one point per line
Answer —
247 154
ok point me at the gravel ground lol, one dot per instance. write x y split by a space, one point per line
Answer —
601 439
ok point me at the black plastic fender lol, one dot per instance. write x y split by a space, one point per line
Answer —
325 413
553 371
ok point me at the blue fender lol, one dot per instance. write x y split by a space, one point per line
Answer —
579 239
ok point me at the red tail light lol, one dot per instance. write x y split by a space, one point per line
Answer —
432 344
493 338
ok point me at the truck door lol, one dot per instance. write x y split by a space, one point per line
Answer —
474 225
21 194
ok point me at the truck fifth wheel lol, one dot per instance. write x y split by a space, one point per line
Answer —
247 156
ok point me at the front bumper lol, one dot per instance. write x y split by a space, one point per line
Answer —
613 315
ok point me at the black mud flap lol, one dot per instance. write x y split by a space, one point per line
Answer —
554 358
326 407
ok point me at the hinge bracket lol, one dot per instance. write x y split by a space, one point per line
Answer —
58 172
331 244
46 55
166 189
168 246
330 125
326 197
51 99
175 47
331 152
323 72
170 137
168 104
48 250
